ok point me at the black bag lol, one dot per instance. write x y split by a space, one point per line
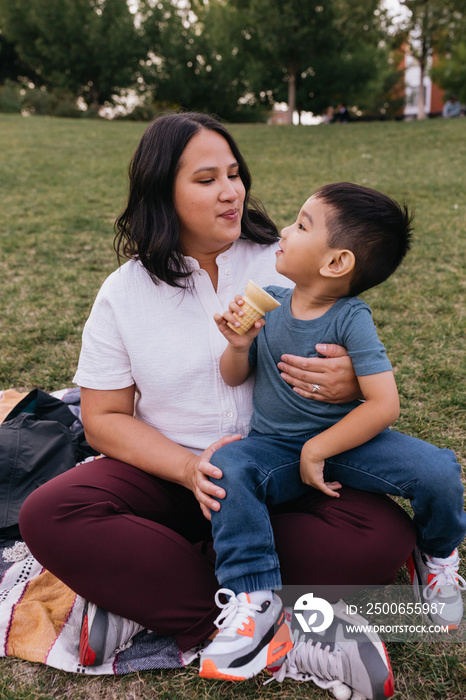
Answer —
39 439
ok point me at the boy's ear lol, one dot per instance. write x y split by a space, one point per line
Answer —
340 263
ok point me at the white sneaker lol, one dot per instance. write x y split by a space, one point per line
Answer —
437 582
103 635
250 637
350 664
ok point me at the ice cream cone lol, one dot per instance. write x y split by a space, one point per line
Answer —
257 303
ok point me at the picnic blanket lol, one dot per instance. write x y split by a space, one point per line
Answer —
40 617
40 620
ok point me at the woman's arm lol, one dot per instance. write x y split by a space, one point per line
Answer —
380 409
333 374
112 429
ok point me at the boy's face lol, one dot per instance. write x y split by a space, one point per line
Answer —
303 248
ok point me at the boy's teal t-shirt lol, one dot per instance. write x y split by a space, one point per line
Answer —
278 410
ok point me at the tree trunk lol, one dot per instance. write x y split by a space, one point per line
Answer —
95 101
421 105
291 92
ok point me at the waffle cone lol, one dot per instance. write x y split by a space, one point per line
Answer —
256 304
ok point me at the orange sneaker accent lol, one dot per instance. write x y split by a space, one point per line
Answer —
280 645
209 670
247 630
430 578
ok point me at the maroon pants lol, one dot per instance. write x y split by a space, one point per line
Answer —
140 547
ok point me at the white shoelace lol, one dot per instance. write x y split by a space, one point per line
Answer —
444 575
234 612
310 661
310 658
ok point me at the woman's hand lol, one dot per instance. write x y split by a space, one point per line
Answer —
199 469
330 378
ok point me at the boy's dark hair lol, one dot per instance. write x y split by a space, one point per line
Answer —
148 227
373 226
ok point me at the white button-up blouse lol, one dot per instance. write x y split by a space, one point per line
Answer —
164 341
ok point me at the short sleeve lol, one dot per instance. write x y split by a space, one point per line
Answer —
104 362
364 347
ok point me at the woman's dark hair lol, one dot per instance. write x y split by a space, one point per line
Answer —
148 228
373 226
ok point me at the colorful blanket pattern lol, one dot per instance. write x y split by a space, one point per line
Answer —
40 620
40 617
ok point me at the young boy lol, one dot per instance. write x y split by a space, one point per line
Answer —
346 239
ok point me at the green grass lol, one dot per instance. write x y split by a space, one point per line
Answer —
63 183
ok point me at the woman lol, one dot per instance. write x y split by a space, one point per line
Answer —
131 531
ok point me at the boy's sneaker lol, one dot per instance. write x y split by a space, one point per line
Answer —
103 635
437 582
250 638
351 664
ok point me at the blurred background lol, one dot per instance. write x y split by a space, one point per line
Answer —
276 61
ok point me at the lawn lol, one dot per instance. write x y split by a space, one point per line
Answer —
63 183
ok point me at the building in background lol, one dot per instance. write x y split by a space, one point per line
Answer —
434 96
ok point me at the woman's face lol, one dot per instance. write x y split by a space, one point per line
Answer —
208 195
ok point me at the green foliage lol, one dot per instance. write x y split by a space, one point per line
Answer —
316 53
384 97
233 59
433 25
10 101
11 66
57 103
88 47
450 72
39 101
200 62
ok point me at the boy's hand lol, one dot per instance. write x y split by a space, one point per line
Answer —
239 342
312 472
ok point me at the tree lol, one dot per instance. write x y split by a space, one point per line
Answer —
197 58
384 96
318 50
430 28
89 47
11 66
288 33
450 72
352 73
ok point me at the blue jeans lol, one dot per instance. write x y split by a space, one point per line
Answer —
263 470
